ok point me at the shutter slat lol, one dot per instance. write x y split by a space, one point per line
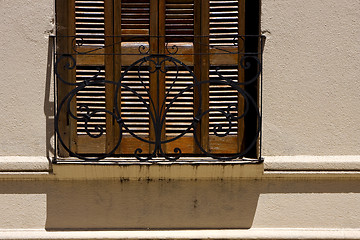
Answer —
91 96
179 20
223 21
135 17
89 18
133 112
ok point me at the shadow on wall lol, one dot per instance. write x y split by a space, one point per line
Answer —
152 205
49 101
92 205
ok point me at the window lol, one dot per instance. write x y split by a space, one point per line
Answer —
151 78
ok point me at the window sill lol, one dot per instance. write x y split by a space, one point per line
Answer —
161 171
35 168
28 164
39 168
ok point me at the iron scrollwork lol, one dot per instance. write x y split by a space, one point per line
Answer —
156 64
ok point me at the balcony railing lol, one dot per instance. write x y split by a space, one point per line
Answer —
158 90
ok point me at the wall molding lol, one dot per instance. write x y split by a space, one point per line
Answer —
312 163
24 164
37 168
265 234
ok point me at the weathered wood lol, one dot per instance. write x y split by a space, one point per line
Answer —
89 145
185 144
130 53
91 56
154 86
109 72
222 56
223 145
205 68
179 1
72 77
241 75
140 32
161 75
130 144
65 28
117 64
61 43
197 68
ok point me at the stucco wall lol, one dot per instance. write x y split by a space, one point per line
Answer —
24 104
311 77
179 204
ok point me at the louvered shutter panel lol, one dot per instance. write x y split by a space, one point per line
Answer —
97 24
134 18
226 22
179 31
65 20
90 31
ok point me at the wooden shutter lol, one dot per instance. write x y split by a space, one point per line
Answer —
227 25
125 25
90 38
65 19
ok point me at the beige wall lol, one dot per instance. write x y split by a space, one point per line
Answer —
311 77
180 204
25 27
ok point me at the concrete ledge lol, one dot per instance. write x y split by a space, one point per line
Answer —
32 167
24 164
189 171
312 163
187 234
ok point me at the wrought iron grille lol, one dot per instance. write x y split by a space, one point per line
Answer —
168 61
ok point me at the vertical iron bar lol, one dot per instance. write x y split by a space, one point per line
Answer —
262 42
55 98
157 111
